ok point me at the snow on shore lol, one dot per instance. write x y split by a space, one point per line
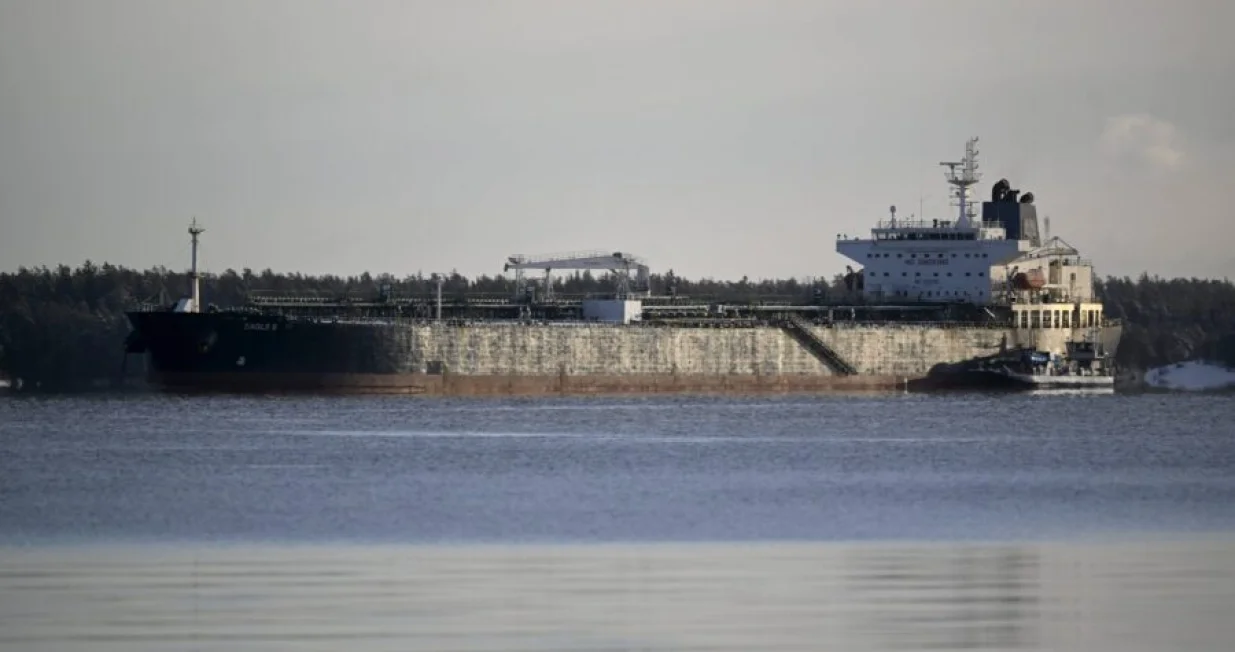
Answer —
1191 376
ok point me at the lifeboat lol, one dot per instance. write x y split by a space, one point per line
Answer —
1029 280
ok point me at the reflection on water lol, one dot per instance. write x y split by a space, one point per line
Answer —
1162 596
949 598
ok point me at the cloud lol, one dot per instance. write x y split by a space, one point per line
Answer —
1151 140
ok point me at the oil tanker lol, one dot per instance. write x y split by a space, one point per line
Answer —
932 303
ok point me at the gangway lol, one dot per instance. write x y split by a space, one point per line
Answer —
797 328
621 264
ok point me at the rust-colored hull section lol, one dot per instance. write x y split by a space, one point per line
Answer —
510 385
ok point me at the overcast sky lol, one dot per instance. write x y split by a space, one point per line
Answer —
716 138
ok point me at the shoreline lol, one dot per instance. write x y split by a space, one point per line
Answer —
550 386
453 385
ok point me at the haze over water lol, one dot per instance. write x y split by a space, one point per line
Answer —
896 522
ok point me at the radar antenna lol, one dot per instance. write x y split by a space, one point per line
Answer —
962 178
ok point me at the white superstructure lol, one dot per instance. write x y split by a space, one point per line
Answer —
998 260
947 261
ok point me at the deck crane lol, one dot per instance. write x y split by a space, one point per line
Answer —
619 263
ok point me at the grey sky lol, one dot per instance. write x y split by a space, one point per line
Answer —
717 138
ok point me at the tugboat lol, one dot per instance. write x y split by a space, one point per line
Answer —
1083 366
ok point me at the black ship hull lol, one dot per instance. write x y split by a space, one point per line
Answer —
241 352
262 352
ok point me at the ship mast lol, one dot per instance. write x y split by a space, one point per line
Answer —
962 179
194 279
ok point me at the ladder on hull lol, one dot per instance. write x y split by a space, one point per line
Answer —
799 330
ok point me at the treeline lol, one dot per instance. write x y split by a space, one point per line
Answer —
64 328
1171 320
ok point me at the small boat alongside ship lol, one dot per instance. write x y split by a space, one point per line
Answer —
1083 366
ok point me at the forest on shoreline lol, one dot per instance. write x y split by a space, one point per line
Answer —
63 328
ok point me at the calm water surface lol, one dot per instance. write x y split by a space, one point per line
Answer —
901 522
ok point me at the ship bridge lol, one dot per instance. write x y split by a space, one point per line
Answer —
948 260
900 230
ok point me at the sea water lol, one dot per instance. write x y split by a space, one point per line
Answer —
1053 522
